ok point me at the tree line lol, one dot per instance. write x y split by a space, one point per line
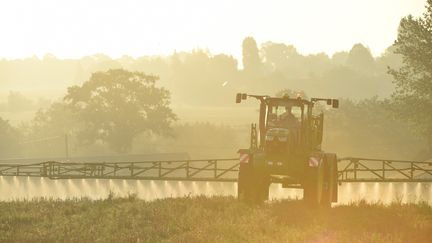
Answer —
189 76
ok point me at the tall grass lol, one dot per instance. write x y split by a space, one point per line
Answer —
217 219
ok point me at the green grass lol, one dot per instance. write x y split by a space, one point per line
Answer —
217 219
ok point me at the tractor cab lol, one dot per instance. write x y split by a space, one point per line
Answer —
284 113
287 118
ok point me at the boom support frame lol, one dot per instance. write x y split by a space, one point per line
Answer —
219 170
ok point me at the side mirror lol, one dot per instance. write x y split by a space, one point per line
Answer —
329 101
238 98
335 103
244 96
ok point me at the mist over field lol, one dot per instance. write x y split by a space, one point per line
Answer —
202 87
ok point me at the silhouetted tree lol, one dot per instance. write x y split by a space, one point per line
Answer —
317 64
340 58
291 93
18 102
9 142
413 96
251 59
389 59
198 78
102 62
223 65
368 127
277 55
56 120
360 58
117 105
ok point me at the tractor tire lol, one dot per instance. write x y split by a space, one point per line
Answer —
253 185
313 186
329 180
244 183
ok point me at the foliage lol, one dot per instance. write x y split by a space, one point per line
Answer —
368 127
413 96
117 105
279 57
9 138
291 93
58 119
17 102
251 59
340 58
201 219
199 78
360 58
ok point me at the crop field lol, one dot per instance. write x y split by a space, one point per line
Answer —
209 219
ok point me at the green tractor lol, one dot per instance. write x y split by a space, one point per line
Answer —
286 149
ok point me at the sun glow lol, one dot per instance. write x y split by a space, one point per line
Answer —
75 28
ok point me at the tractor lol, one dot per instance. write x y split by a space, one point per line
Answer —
286 148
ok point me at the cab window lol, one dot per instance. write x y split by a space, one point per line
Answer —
284 114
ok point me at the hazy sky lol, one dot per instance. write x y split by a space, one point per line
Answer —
138 27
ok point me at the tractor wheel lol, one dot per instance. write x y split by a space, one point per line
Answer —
253 186
244 183
329 180
312 188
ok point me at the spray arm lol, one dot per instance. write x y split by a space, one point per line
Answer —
243 96
333 102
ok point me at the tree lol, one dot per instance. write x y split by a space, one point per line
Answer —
277 55
9 142
340 58
251 60
56 120
291 93
18 102
360 58
412 98
117 105
389 59
368 127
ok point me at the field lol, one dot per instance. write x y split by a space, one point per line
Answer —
217 219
